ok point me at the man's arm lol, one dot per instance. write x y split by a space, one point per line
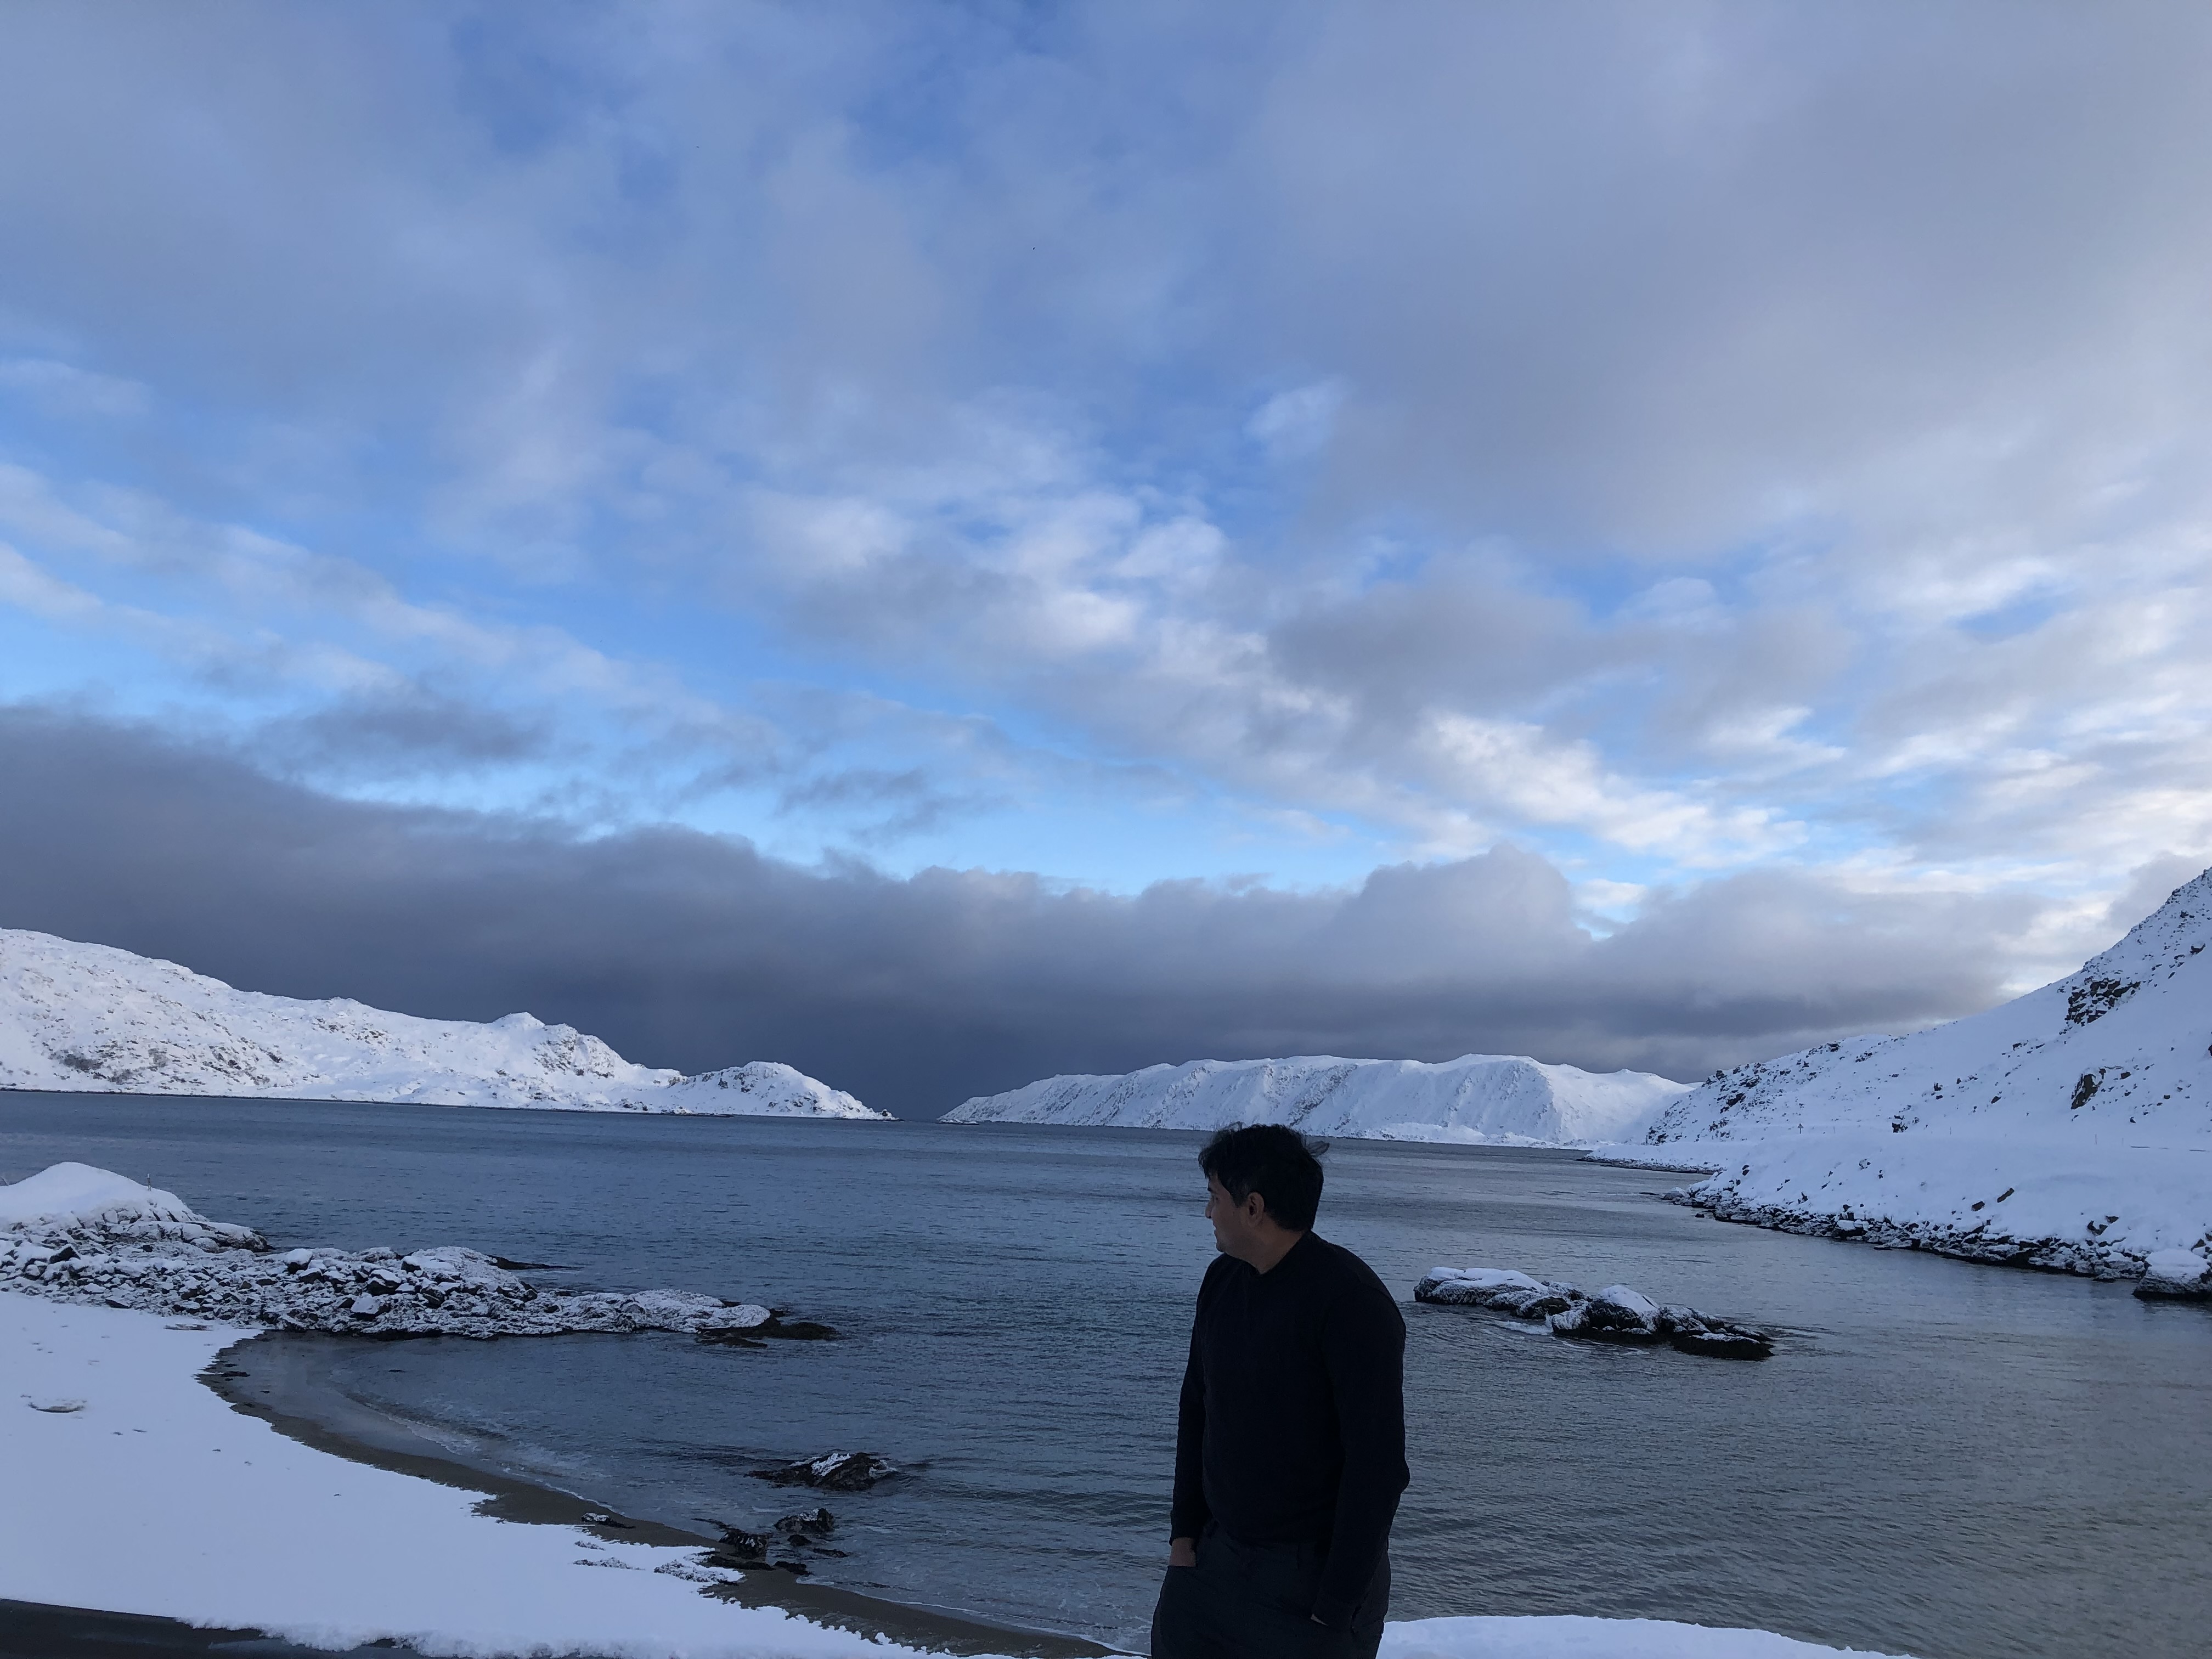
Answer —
1187 1514
1363 1346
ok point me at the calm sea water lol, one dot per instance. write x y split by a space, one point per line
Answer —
1953 1461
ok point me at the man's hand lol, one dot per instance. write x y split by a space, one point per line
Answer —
1183 1552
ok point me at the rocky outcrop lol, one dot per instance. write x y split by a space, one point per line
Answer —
1615 1314
777 1546
102 1238
2182 1275
835 1471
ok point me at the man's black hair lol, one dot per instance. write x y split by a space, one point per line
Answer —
1281 1165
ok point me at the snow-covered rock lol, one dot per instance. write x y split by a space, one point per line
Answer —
89 1017
1477 1099
1615 1314
80 1234
2180 1273
2070 1128
77 1194
833 1471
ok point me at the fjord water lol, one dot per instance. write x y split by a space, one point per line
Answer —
1954 1462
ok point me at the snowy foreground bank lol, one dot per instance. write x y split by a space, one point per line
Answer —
134 1488
1475 1100
89 1017
2069 1129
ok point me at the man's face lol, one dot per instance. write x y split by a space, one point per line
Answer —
1235 1226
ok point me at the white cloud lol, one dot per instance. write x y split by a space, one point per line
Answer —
1800 460
63 389
1296 424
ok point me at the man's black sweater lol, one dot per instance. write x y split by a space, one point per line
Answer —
1292 1426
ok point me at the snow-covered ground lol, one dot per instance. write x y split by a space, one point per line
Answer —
89 1017
2069 1129
1477 1099
133 1488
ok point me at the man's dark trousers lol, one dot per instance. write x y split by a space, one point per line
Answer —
1255 1602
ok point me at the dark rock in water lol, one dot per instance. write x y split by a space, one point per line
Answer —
738 1549
836 1471
798 1330
743 1551
1691 1331
1508 1292
1539 1304
729 1338
1727 1342
774 1326
1615 1314
820 1524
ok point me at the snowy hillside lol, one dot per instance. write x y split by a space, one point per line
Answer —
2069 1128
1475 1099
87 1016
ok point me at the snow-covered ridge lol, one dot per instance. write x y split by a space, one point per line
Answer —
90 1017
2069 1129
1477 1099
81 1234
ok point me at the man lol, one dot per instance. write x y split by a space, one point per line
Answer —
1291 1445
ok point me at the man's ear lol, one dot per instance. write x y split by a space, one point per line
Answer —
1254 1207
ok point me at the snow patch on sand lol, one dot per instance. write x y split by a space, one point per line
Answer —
156 1497
1475 1100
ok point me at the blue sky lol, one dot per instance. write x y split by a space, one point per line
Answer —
1128 443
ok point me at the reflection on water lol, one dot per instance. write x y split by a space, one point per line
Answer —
1942 1459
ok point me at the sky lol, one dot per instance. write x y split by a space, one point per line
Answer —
948 542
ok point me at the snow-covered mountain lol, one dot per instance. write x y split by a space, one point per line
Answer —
2069 1128
89 1017
1495 1099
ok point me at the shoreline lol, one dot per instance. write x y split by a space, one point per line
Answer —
279 1377
50 1088
2098 1212
43 1630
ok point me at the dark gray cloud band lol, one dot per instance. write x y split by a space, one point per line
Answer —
684 949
